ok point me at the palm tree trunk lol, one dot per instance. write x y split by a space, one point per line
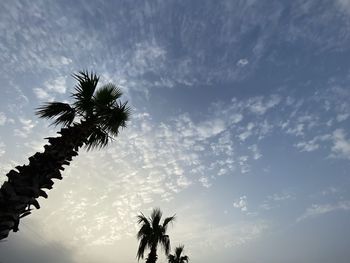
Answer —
152 256
25 184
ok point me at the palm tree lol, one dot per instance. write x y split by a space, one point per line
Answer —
93 119
177 258
153 233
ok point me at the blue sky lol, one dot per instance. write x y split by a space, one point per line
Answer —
240 126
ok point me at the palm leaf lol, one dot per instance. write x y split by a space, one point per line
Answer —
184 259
97 139
142 248
84 92
167 221
165 241
113 118
171 259
155 218
63 113
107 95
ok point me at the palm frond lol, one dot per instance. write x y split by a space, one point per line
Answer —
97 139
155 217
142 219
179 250
84 92
171 259
144 232
63 113
165 241
107 95
142 248
114 118
184 259
168 220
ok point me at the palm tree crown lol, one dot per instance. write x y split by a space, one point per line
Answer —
98 107
152 233
93 119
177 258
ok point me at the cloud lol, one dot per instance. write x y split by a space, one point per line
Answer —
341 145
3 118
342 117
248 132
2 149
260 105
210 128
26 129
313 144
241 203
317 209
344 5
275 200
255 151
205 181
183 182
42 94
57 85
242 62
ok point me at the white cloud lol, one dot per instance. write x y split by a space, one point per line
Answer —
42 94
2 149
244 135
242 62
344 5
307 146
317 209
255 151
342 117
3 118
281 196
274 200
242 161
341 145
183 182
241 203
65 60
330 191
298 130
313 144
204 181
57 85
260 105
210 128
25 129
247 133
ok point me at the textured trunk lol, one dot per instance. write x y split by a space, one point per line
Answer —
25 184
152 256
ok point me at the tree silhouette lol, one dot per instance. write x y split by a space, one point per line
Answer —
153 233
177 257
93 119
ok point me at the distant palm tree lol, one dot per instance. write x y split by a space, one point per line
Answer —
177 258
153 233
95 116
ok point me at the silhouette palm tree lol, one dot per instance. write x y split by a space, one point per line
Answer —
93 119
153 233
177 258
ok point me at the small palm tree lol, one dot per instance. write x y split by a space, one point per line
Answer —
177 258
153 233
93 119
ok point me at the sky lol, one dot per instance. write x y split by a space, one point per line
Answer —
240 127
